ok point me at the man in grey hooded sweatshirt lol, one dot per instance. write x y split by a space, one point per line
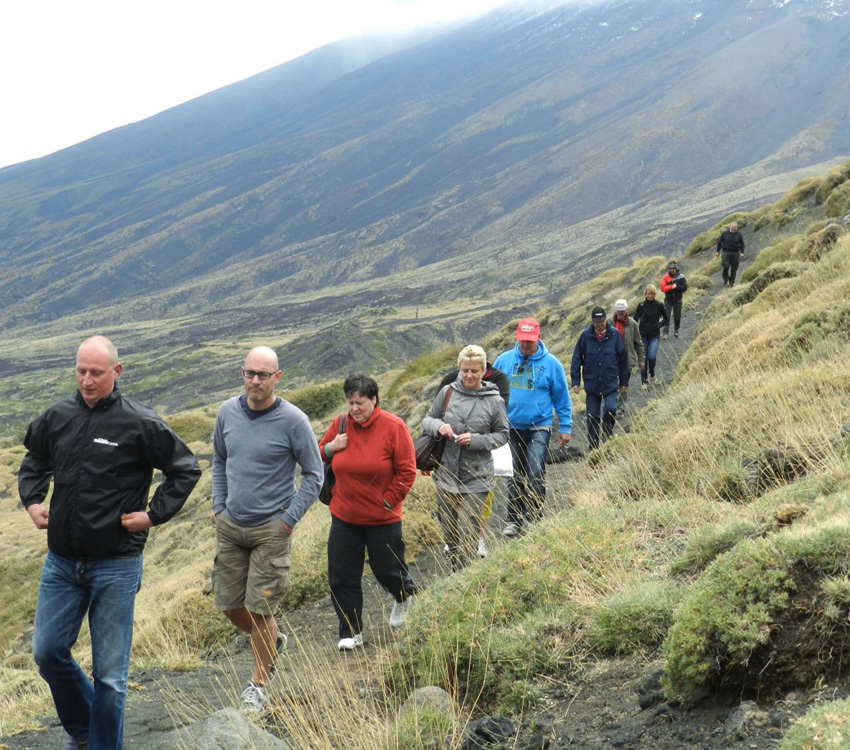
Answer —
471 417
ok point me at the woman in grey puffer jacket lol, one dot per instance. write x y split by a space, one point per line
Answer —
474 424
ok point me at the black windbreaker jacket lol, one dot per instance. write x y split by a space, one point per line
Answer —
101 461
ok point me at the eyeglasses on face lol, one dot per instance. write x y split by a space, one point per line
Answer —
251 374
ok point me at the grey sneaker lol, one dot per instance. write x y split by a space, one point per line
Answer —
676 334
253 698
399 613
482 548
511 529
665 336
75 744
349 644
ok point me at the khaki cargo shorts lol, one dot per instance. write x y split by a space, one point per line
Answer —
251 567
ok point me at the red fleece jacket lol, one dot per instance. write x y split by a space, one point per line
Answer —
376 470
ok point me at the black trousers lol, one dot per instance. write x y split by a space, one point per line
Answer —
676 308
729 262
347 547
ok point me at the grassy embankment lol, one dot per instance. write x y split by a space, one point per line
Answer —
717 528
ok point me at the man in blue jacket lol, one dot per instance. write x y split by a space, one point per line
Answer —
600 358
538 388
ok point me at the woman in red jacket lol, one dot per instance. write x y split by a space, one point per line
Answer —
374 465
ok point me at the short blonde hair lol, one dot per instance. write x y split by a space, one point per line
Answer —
650 288
472 353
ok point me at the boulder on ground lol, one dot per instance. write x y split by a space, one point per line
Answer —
227 729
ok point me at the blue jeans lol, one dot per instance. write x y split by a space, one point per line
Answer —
527 487
607 404
650 351
105 588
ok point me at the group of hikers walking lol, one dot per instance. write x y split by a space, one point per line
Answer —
101 448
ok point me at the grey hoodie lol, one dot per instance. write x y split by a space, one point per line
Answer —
467 469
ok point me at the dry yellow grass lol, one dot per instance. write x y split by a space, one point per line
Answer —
773 373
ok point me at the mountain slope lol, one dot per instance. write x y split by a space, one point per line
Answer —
472 169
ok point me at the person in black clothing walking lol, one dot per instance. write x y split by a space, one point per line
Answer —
650 316
674 285
100 450
730 250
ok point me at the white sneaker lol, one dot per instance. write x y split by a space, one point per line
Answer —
446 549
399 613
349 644
253 698
511 529
482 548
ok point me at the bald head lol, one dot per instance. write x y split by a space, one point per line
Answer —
262 358
261 373
97 369
101 344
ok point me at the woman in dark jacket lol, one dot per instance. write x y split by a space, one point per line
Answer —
651 315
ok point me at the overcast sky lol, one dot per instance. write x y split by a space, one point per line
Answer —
74 68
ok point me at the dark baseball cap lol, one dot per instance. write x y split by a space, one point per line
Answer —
598 314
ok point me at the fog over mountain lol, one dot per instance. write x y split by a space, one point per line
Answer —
475 162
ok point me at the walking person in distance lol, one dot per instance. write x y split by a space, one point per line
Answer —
601 361
630 333
650 316
674 285
730 250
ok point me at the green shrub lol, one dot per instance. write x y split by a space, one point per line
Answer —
833 179
824 727
786 270
708 542
836 592
317 401
636 620
778 252
726 615
698 281
797 194
838 203
738 625
429 364
421 728
192 426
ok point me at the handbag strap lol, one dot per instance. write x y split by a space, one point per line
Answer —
341 430
446 400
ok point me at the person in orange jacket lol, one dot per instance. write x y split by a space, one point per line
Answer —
674 285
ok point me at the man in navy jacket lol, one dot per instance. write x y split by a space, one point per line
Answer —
600 359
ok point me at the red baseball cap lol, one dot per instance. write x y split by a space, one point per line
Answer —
528 330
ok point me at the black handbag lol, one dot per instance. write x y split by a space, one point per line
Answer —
429 450
330 479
